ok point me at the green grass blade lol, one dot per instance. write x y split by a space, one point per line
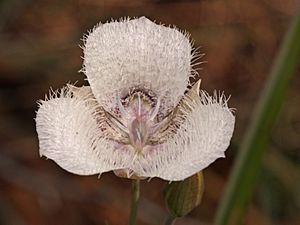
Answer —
244 173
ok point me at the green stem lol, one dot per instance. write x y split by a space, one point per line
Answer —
134 201
170 220
244 173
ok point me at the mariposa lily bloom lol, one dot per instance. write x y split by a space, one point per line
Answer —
138 117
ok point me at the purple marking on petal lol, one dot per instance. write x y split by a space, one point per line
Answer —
149 149
120 147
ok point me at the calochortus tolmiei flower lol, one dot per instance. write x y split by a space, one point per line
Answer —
138 117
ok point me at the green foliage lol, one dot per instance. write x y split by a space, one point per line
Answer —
243 177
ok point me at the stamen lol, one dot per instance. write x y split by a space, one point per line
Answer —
121 107
158 125
155 110
139 105
138 134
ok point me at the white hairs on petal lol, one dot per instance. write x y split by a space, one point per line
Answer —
203 136
70 134
120 55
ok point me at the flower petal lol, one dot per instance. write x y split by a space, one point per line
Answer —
138 53
69 133
202 138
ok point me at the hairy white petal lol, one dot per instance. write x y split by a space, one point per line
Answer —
199 141
137 53
69 133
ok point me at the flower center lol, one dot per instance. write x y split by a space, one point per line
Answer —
138 116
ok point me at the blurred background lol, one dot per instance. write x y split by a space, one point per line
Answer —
39 49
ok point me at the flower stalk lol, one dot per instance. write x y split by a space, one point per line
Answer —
135 191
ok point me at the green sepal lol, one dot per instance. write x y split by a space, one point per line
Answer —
183 196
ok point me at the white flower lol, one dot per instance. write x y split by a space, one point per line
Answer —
134 118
